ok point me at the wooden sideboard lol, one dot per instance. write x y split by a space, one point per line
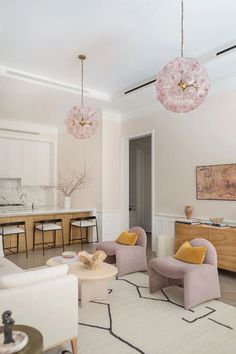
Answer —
224 240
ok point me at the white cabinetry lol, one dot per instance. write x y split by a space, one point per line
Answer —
15 156
36 166
28 160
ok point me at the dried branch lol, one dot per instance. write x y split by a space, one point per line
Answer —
73 182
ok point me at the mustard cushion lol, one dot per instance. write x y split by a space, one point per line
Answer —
127 238
187 253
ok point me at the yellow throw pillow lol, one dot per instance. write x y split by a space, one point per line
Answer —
187 253
127 238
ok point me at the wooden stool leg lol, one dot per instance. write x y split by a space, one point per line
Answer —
74 345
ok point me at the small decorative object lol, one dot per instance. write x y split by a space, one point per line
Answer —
11 341
92 261
69 254
81 121
188 209
216 182
183 83
216 220
71 183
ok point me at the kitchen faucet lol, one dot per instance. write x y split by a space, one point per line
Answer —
23 198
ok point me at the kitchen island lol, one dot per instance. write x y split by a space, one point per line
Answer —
44 213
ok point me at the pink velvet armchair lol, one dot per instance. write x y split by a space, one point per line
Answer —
128 259
201 281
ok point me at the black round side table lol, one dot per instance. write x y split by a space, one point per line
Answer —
35 343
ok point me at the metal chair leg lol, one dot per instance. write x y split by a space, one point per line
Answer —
81 237
62 238
17 243
43 241
34 238
26 247
70 235
97 231
54 240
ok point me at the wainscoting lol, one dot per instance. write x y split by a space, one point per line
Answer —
109 224
163 225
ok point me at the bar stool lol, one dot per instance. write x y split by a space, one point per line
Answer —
13 228
46 226
83 223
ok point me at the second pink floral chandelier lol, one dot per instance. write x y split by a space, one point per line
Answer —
81 121
183 84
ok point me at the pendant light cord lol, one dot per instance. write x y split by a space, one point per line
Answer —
82 82
182 29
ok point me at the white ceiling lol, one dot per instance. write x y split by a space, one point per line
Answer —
126 42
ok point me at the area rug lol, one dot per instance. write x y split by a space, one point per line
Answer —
133 321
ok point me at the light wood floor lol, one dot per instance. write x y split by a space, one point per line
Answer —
36 259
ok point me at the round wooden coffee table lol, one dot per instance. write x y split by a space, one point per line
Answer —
92 283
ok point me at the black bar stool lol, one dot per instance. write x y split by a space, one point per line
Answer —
46 226
14 229
83 223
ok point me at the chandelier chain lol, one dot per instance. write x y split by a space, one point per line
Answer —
182 29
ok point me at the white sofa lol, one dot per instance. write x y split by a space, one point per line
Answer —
46 299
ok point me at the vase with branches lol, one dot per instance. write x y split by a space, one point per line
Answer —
71 183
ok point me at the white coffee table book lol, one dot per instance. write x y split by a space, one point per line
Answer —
93 284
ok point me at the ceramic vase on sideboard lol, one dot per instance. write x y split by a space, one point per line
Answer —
188 209
67 202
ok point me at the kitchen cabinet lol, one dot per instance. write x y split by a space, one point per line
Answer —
27 160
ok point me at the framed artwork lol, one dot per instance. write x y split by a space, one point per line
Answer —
216 182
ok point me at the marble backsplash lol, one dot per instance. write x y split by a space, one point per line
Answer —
11 192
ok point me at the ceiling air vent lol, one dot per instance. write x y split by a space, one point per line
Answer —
226 50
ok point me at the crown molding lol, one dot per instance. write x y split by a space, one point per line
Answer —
52 83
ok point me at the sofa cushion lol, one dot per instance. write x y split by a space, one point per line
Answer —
8 267
34 276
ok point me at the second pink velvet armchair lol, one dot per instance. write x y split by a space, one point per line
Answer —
200 281
128 259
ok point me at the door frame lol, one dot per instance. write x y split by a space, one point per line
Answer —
124 178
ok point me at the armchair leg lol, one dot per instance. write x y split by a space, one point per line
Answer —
74 345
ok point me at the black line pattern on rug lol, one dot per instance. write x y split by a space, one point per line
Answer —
110 327
174 303
200 317
138 287
219 323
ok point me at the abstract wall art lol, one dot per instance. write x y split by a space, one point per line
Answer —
216 182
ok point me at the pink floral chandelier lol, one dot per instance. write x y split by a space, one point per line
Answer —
183 84
81 121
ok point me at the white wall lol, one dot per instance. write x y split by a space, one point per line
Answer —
101 154
183 141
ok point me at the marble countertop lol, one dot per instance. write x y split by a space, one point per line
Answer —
21 211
